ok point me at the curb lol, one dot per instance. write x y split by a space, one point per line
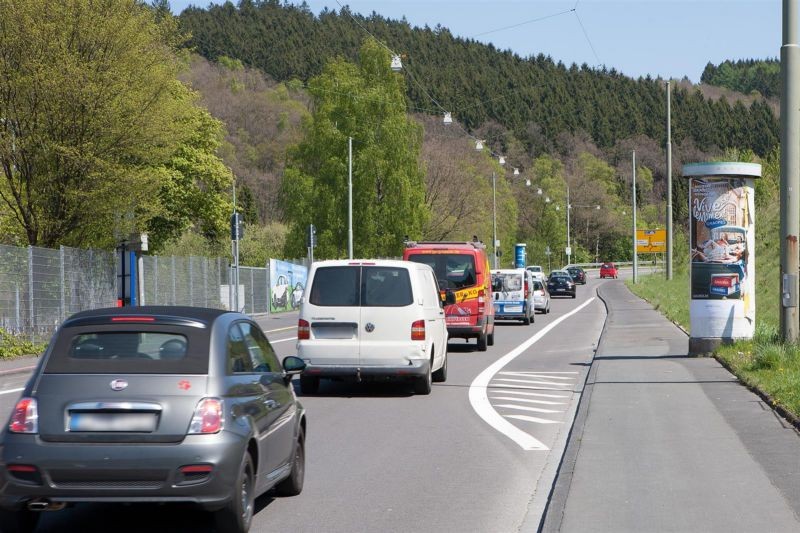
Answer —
790 417
18 370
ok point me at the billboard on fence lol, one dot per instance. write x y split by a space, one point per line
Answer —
651 241
287 282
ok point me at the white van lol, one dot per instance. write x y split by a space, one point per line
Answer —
513 295
372 320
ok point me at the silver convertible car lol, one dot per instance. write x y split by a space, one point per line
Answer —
154 404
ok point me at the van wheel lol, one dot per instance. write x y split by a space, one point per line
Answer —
440 376
19 521
422 385
482 343
309 384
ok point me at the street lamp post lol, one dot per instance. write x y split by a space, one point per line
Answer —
350 197
494 218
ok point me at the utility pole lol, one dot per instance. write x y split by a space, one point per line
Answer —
635 262
494 218
569 246
669 181
790 172
235 236
350 197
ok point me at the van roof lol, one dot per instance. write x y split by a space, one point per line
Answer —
509 271
366 262
447 245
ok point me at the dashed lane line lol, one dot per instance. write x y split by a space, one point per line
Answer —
480 401
527 400
9 391
283 340
527 408
534 419
280 329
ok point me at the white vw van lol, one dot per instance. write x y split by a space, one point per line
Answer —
513 295
372 320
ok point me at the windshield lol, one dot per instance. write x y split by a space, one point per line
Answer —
454 271
511 282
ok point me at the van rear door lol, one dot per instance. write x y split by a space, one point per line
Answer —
388 309
334 315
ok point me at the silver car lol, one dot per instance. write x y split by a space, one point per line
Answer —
154 404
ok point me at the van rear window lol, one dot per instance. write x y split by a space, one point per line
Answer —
453 271
371 286
511 282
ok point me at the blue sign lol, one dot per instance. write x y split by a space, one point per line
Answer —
520 255
712 223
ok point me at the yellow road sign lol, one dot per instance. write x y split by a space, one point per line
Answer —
651 241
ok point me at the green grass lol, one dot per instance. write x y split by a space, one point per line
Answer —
12 346
763 363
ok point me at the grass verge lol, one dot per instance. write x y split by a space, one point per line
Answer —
12 346
762 363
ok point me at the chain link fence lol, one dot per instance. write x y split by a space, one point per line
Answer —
40 287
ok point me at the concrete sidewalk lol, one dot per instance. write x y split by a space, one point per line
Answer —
665 442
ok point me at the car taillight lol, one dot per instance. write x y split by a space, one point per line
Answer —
25 418
526 290
208 417
303 330
481 301
418 330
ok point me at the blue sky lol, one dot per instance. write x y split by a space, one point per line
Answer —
667 38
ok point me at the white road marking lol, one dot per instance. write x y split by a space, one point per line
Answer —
514 385
527 408
537 420
532 375
525 393
279 329
480 401
283 340
526 400
532 382
9 391
528 372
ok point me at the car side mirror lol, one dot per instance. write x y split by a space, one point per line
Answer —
449 297
293 365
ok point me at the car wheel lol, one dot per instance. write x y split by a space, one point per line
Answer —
423 384
309 384
19 521
573 295
482 343
237 515
293 485
526 320
490 338
440 376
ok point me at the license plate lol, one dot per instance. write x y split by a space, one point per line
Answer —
560 290
113 422
513 309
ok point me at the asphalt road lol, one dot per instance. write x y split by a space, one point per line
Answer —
478 454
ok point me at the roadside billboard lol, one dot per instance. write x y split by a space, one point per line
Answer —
287 281
722 248
651 241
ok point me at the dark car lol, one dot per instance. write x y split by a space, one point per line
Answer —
154 404
560 284
577 274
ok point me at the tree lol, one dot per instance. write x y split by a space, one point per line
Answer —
92 117
364 101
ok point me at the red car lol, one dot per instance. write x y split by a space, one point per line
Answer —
608 270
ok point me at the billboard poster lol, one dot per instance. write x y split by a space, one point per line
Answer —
287 283
722 244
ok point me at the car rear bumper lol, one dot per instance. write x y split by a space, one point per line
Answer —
414 368
91 472
467 331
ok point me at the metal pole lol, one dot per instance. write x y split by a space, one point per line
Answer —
31 314
569 245
63 306
635 262
790 172
174 292
350 197
494 219
669 181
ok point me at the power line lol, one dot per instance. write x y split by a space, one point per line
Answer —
523 23
587 37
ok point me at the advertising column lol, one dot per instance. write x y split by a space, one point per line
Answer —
520 255
722 253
